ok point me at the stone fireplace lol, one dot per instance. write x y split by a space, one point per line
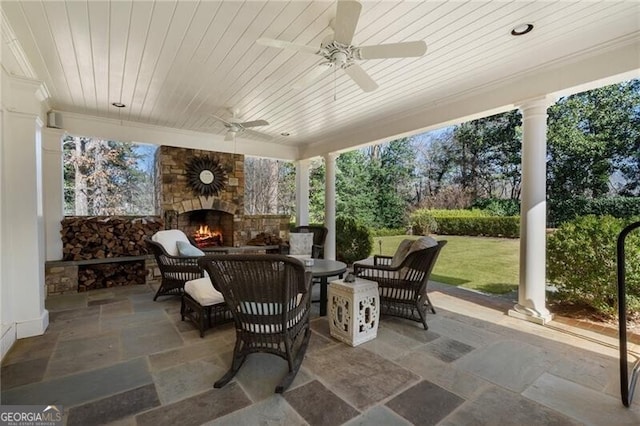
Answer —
183 209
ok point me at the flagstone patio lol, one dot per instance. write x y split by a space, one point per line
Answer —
115 356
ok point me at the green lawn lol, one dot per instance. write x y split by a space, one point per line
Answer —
486 264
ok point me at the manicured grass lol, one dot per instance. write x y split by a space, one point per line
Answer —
485 264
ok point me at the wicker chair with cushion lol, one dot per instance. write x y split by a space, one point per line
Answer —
176 268
319 236
402 279
269 298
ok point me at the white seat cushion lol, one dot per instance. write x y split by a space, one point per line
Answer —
203 292
267 309
401 253
169 239
422 243
301 243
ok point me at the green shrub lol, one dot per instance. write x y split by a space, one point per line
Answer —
581 263
387 232
488 226
423 222
498 206
560 211
464 222
353 240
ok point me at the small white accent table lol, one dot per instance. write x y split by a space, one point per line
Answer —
354 310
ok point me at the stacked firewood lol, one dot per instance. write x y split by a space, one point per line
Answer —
264 239
97 237
107 275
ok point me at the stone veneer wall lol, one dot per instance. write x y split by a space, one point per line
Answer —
174 196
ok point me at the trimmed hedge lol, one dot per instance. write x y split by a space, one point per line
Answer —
560 211
581 263
498 206
488 226
464 222
387 232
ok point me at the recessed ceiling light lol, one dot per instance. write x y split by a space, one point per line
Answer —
118 104
522 29
285 134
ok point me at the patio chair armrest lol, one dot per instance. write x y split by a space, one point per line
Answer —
357 267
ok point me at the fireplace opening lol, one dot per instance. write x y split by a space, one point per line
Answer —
208 228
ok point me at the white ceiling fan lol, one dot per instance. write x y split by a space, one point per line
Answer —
235 126
338 52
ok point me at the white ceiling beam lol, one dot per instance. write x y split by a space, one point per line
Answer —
129 131
573 75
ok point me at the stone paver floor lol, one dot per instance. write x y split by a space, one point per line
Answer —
114 356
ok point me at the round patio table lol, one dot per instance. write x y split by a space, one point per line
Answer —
323 269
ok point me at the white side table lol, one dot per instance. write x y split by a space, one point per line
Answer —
354 310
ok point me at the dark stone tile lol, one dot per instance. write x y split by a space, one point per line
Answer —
149 339
37 347
361 377
318 342
198 409
80 388
425 403
319 406
114 407
497 406
447 350
321 326
89 353
99 302
23 373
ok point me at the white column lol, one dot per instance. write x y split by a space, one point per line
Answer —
330 204
533 214
302 192
53 187
22 223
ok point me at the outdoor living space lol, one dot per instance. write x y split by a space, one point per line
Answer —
115 356
204 110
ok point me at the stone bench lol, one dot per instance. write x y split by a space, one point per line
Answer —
61 276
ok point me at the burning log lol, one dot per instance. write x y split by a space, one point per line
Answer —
204 237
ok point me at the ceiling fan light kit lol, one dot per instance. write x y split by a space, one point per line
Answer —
339 53
235 126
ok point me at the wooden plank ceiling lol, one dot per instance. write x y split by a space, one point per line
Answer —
173 63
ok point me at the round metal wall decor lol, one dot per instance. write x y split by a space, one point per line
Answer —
205 176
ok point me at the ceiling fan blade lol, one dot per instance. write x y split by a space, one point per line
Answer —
230 136
254 123
347 15
394 50
312 76
361 78
221 119
287 45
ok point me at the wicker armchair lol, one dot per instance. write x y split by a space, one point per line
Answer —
403 289
176 270
319 235
269 298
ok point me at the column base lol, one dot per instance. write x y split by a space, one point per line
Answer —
34 327
530 315
8 338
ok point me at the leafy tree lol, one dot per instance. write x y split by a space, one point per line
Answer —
593 137
354 198
391 181
105 178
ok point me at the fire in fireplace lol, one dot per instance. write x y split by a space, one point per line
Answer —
204 237
207 227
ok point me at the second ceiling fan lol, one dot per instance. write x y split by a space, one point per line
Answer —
338 52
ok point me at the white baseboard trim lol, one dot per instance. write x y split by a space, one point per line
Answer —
8 338
34 327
